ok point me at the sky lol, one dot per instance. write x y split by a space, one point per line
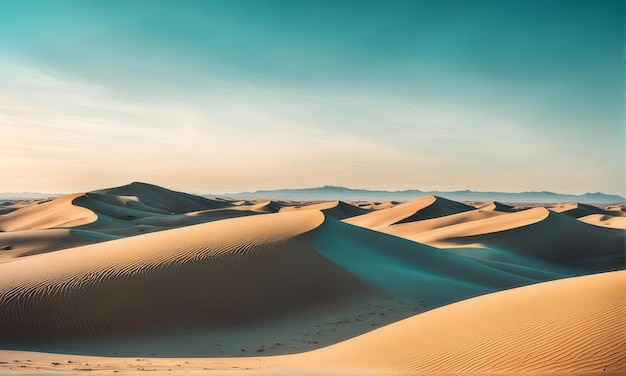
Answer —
230 96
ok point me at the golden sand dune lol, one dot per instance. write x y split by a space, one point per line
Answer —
129 210
372 205
162 199
605 221
219 271
497 206
577 210
568 326
408 230
335 209
423 208
59 212
261 206
537 232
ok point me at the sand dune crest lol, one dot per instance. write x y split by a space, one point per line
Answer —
126 283
415 210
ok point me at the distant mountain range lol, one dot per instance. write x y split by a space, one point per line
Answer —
328 193
348 194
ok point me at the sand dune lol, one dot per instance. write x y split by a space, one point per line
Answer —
413 270
577 210
115 285
407 230
536 232
217 271
159 271
263 206
161 199
568 326
420 209
372 205
59 212
335 209
134 209
605 221
497 206
12 205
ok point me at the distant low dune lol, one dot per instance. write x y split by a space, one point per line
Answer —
419 209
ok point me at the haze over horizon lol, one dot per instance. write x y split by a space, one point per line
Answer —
232 96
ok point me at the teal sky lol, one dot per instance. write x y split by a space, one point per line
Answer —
222 96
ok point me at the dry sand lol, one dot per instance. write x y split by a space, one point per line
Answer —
571 326
141 278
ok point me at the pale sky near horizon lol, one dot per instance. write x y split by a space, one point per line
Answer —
226 96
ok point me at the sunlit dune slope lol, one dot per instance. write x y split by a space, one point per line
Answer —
407 230
568 326
577 210
537 232
605 221
59 212
15 244
415 210
335 209
497 206
235 269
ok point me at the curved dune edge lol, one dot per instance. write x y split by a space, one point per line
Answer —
578 210
495 224
572 326
412 229
423 208
336 209
60 212
218 270
604 221
537 232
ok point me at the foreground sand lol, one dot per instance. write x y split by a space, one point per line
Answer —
142 278
570 326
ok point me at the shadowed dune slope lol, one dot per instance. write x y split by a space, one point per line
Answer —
537 232
417 271
336 209
577 210
140 208
140 200
573 325
231 270
497 206
415 210
162 199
